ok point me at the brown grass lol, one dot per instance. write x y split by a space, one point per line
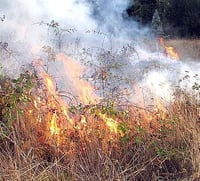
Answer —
164 147
149 144
187 48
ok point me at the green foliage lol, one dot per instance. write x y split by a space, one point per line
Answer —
196 86
139 140
16 92
76 109
110 110
124 128
140 137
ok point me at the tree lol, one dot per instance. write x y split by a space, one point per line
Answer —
142 10
156 24
181 16
185 16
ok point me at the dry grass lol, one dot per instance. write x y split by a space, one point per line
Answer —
148 144
187 48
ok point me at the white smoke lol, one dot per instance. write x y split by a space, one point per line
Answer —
107 17
99 24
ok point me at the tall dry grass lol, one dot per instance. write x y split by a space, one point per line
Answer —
165 147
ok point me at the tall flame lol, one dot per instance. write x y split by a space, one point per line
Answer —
169 50
57 107
74 71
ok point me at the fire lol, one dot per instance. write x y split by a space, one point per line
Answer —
56 110
74 71
111 123
49 83
54 129
169 50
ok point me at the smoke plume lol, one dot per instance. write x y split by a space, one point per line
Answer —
85 29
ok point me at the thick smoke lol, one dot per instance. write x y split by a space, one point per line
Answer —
85 29
106 17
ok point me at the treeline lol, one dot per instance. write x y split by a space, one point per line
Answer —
177 17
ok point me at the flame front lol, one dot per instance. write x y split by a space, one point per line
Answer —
169 50
56 111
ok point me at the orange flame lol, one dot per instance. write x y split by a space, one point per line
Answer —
54 129
111 123
74 71
48 83
58 109
169 50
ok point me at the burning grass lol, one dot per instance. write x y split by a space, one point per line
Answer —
45 138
